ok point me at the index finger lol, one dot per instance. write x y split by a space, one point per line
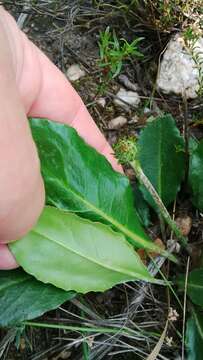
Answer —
57 100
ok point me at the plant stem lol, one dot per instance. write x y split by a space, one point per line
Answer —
186 136
164 212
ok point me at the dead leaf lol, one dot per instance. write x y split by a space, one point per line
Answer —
160 243
155 352
184 224
143 256
22 344
65 354
173 315
90 341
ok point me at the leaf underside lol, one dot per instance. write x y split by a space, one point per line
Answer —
73 253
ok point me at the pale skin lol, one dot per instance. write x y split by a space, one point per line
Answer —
30 85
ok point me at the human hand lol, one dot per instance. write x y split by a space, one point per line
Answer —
30 85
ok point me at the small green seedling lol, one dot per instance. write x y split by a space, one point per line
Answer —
114 51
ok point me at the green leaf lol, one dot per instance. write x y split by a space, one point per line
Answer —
73 253
161 156
79 179
194 336
196 175
193 144
22 297
194 285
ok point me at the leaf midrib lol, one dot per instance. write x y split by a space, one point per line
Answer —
121 271
195 286
112 221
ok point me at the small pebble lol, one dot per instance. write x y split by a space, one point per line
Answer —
101 102
117 123
74 72
129 97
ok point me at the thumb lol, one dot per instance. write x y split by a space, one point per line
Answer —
21 185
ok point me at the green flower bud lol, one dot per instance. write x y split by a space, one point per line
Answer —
126 150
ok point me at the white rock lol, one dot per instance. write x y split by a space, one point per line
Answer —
74 72
101 102
117 123
129 97
178 72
